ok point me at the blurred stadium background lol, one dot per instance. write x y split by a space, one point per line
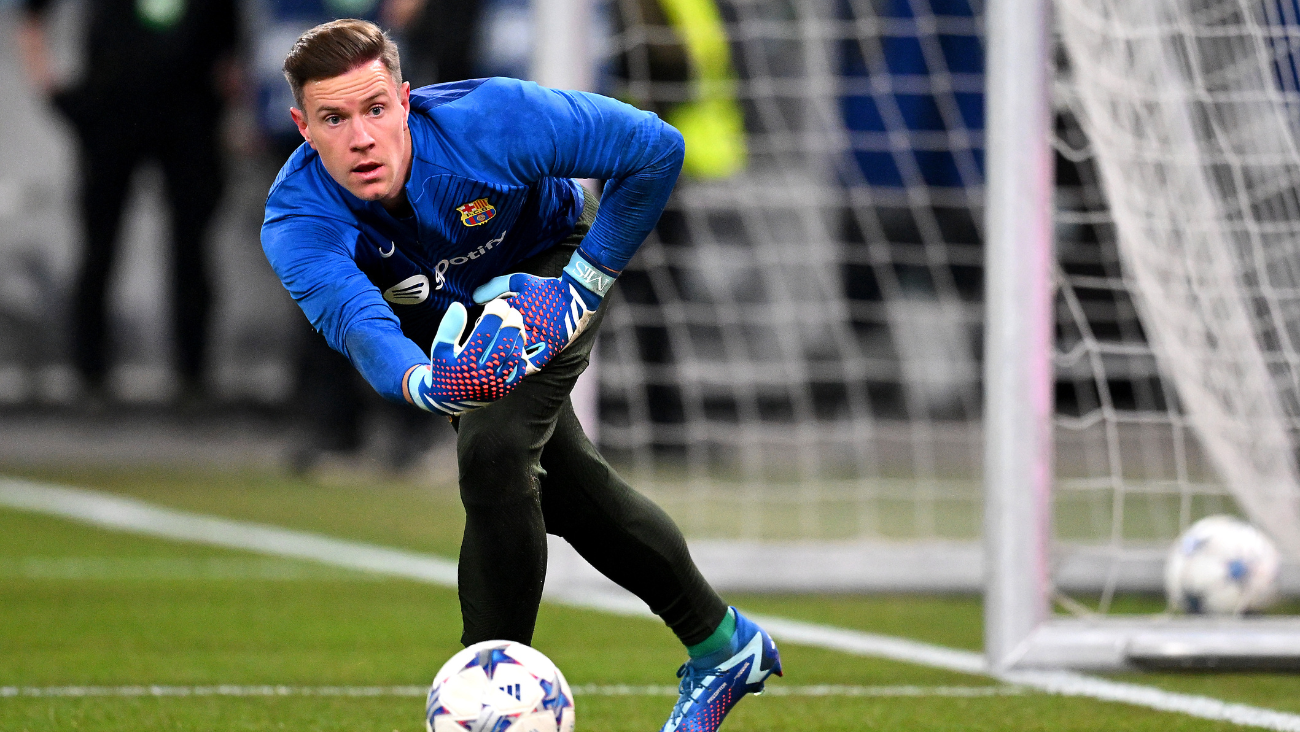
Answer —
795 357
794 366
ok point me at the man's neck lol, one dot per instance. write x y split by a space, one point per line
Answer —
399 205
401 208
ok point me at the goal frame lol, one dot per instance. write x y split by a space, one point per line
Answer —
1020 629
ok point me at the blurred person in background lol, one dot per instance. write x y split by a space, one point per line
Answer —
684 44
275 25
157 74
329 406
438 36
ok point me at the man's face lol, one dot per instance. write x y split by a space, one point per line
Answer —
357 122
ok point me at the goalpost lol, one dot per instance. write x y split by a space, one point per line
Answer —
1018 372
796 365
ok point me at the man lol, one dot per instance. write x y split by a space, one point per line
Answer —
332 406
134 50
402 208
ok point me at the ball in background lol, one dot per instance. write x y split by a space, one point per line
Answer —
1221 566
499 686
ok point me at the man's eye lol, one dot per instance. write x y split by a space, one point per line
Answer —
376 110
333 119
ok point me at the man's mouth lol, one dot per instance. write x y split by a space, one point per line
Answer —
366 168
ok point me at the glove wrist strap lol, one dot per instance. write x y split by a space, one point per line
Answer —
416 378
589 275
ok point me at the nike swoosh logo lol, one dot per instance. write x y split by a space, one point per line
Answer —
392 247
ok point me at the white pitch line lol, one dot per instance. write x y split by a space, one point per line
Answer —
176 568
1068 683
157 690
126 514
819 690
871 644
218 690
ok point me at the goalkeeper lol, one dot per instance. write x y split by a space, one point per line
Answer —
406 206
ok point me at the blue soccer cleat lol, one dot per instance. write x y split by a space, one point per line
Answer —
707 694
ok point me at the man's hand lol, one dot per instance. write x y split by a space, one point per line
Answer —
458 378
555 310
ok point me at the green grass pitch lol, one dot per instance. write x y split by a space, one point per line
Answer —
81 606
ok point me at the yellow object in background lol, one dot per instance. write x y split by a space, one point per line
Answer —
712 123
715 137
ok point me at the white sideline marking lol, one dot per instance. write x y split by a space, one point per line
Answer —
176 568
1068 683
871 644
129 514
220 690
115 512
421 691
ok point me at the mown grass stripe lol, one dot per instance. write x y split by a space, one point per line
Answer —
115 512
153 690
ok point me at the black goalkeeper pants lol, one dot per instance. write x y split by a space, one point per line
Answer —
526 470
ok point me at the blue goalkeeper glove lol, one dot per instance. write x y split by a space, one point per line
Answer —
555 310
490 365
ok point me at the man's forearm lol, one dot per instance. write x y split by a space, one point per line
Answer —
631 206
383 355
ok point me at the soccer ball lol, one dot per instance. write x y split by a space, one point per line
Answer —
1221 566
499 686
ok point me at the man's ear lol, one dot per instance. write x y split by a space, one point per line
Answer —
300 119
404 96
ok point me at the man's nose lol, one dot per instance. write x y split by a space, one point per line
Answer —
361 137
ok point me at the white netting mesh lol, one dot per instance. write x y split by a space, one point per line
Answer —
796 352
1188 107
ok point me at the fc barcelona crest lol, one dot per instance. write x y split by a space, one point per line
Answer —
476 212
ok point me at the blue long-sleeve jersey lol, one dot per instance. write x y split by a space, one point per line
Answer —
490 186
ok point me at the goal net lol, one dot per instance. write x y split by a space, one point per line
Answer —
1186 125
795 355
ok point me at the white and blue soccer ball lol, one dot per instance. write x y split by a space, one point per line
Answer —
499 686
1221 566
